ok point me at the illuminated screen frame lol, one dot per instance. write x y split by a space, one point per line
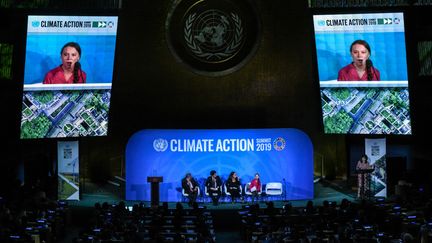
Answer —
363 107
65 109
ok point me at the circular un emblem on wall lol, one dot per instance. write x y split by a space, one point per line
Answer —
213 37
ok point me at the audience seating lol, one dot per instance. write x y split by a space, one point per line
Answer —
142 224
380 221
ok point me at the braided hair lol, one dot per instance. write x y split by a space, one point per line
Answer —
77 67
368 61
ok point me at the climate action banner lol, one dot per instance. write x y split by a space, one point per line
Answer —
279 155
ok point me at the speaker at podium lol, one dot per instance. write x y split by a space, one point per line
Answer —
154 182
365 182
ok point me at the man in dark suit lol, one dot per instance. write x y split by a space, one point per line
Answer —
190 187
214 184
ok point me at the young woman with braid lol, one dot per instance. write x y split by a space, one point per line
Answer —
69 72
361 68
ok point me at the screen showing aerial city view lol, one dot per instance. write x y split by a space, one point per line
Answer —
68 75
363 75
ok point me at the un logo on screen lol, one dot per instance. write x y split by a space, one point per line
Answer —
35 24
279 144
160 145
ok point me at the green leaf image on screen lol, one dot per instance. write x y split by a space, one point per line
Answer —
394 99
339 123
341 93
36 128
96 103
43 97
67 128
374 110
65 113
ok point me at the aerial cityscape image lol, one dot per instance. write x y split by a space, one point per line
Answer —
366 110
65 113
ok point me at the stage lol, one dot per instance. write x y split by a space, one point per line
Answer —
112 194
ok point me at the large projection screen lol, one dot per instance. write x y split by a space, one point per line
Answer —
57 103
373 100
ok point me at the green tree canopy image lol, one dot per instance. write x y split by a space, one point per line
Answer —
37 128
339 123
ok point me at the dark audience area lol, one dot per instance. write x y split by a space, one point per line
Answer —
137 223
28 214
346 221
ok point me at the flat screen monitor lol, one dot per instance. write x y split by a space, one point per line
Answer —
362 70
69 63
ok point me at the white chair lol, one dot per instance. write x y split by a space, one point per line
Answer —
206 192
248 192
274 189
247 189
185 195
229 194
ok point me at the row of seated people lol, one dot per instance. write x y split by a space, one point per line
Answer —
119 223
25 223
29 213
380 221
214 188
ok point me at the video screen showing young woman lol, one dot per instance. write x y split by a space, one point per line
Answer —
67 76
362 70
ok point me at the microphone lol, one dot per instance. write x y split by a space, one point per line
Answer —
369 69
369 63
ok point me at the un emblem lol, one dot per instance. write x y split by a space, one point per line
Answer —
35 24
213 37
160 145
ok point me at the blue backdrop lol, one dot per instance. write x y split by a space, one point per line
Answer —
279 155
387 48
43 54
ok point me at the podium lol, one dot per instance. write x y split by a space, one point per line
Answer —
154 181
365 188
